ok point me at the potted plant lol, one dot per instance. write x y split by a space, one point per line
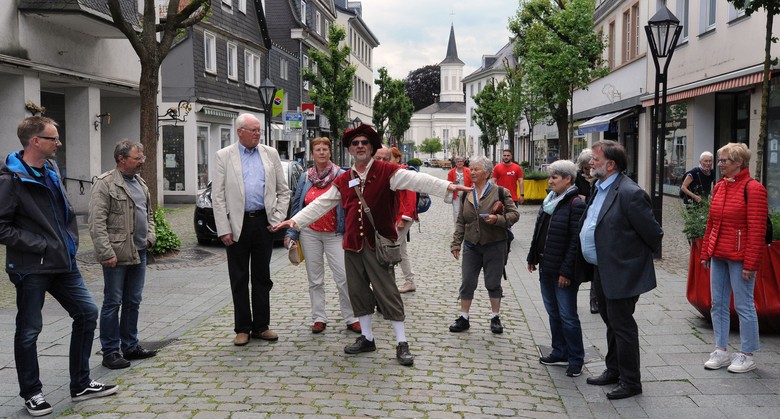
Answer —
535 185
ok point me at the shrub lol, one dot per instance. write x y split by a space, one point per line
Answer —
695 219
536 175
774 215
167 240
525 164
414 162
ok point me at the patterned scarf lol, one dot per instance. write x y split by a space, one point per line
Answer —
321 180
552 200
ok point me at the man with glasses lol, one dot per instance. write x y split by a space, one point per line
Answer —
38 227
370 283
249 194
122 228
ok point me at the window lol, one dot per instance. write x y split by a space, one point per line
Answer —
445 135
232 61
683 7
317 22
251 68
210 52
637 26
283 69
173 158
224 137
325 27
303 12
462 133
305 66
242 6
708 11
228 3
471 90
203 156
631 34
735 13
611 45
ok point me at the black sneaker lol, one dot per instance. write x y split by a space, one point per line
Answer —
37 405
553 360
361 345
461 324
574 371
114 361
403 355
495 325
93 390
139 353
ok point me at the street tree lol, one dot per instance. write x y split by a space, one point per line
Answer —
383 102
486 116
423 86
331 86
151 52
401 115
772 8
430 146
559 52
392 108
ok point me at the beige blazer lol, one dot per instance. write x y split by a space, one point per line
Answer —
227 189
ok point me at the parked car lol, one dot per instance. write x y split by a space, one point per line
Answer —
206 229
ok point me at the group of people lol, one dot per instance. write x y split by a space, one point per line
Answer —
595 225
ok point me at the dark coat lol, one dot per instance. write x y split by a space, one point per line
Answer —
562 247
626 234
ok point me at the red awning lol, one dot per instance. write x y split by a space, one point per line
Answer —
734 83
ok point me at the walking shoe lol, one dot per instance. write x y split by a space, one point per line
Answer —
403 355
354 327
241 339
266 334
495 325
114 361
361 345
37 405
574 371
93 390
318 327
407 286
553 360
139 353
461 324
718 359
742 363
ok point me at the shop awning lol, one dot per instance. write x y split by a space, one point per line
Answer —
599 123
734 83
219 112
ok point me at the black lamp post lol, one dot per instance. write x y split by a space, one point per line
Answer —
356 122
267 92
663 31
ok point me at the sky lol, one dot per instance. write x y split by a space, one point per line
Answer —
413 34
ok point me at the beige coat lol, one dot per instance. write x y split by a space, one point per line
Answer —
227 190
112 218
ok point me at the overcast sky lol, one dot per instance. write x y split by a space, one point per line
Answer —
414 33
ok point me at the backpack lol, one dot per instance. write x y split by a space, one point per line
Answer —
769 231
423 199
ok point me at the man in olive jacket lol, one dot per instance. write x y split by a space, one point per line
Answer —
122 229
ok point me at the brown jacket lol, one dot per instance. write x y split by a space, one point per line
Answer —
471 227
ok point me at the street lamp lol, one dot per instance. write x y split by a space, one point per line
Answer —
267 92
663 31
356 122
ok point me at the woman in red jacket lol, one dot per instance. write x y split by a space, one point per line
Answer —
459 175
732 249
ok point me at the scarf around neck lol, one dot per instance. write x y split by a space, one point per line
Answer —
552 200
321 180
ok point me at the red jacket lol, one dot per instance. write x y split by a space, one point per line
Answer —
466 179
407 204
736 229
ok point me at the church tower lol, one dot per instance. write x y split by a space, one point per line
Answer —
451 73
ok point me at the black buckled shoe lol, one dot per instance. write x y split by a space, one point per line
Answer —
606 377
114 361
623 391
403 355
361 345
139 353
460 324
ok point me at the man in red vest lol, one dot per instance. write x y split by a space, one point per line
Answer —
370 284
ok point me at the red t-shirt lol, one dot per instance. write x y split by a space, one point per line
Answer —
327 223
507 176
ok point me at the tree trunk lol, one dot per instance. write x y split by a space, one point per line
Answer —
762 131
148 86
561 117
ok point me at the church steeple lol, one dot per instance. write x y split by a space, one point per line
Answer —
451 73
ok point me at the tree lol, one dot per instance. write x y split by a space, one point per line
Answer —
771 7
331 86
151 54
430 146
486 116
392 108
423 86
559 52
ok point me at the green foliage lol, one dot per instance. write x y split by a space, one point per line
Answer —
423 86
414 162
774 215
167 240
695 219
486 115
535 175
525 164
330 87
392 107
431 145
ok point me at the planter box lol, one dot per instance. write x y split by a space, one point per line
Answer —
766 293
535 190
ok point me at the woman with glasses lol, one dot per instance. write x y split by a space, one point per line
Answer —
732 248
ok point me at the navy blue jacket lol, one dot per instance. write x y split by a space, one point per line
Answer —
562 247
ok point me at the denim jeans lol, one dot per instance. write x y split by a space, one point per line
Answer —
725 278
123 286
69 290
565 329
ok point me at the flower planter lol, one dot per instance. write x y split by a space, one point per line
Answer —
535 190
766 293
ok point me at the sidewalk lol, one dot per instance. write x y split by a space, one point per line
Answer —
474 374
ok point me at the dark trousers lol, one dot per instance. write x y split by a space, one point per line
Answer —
622 335
250 258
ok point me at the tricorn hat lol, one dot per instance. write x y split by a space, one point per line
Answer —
364 130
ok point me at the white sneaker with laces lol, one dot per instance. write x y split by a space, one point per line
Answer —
742 363
718 359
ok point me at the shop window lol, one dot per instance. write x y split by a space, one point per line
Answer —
203 156
675 147
173 158
224 137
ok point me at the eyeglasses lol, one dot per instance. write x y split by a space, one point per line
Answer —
55 139
356 143
142 158
724 161
253 131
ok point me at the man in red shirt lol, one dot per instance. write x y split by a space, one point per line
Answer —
509 175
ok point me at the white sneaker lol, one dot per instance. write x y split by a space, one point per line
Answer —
408 286
742 363
718 359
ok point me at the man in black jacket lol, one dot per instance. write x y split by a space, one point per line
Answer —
38 227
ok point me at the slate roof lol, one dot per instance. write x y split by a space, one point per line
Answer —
452 50
98 8
444 107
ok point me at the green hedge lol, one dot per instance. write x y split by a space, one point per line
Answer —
536 175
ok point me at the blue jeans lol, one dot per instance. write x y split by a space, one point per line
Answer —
123 287
561 306
725 278
69 290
